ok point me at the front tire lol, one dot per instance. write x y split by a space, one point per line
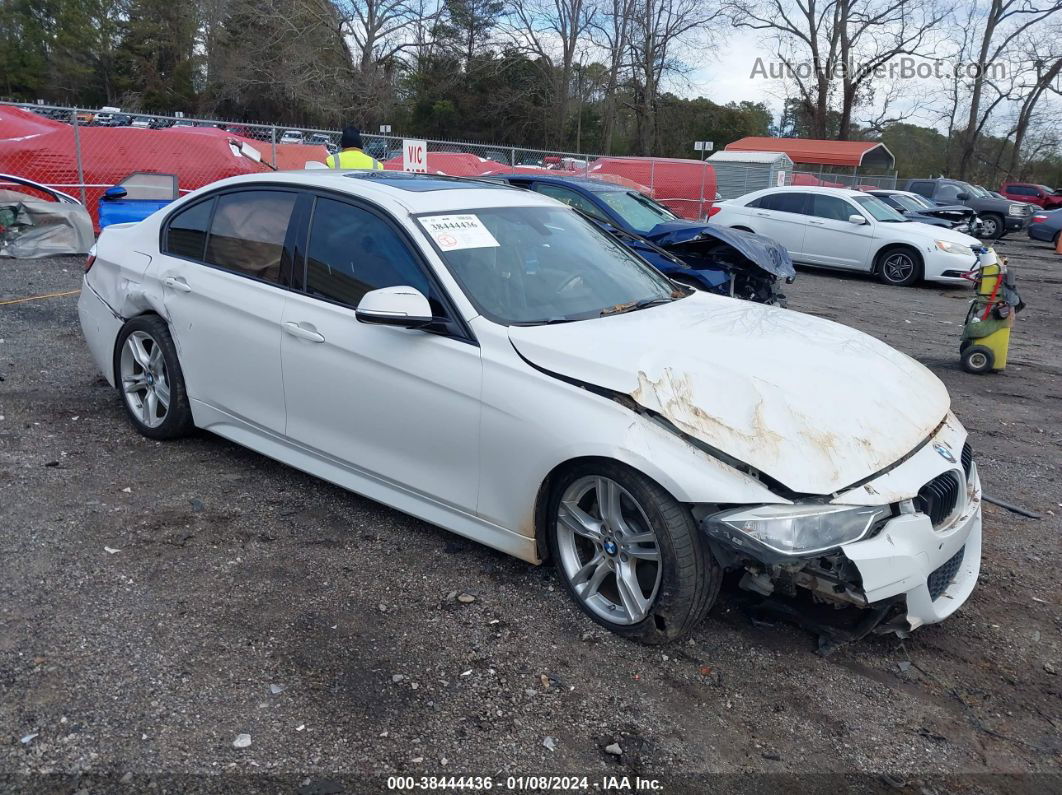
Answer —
630 555
149 379
992 227
899 266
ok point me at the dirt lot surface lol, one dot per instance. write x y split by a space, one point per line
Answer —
158 600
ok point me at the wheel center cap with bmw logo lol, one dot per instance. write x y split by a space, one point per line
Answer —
610 546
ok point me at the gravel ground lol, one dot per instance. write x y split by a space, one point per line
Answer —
158 600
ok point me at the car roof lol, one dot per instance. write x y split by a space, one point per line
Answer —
416 193
586 183
844 192
892 192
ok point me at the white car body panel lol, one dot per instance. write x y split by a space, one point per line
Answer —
407 401
837 244
788 229
689 362
227 332
700 395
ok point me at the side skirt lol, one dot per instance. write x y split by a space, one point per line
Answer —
352 478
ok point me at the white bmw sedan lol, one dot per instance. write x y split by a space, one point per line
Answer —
485 359
852 230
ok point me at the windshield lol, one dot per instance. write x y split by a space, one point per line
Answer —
878 209
533 265
975 190
640 212
920 201
907 203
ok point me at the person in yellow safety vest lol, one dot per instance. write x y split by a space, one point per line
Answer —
350 154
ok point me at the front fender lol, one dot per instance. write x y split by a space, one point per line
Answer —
533 423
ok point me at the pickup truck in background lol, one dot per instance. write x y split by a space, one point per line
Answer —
1040 195
998 216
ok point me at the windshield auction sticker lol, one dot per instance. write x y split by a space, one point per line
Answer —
455 232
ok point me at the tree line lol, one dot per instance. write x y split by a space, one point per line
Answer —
575 75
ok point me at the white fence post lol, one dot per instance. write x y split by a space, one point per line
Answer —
77 157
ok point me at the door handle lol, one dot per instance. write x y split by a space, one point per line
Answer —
763 215
815 223
177 283
295 330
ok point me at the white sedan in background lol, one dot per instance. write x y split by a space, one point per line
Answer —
487 360
851 230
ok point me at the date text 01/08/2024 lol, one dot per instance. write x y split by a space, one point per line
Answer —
522 783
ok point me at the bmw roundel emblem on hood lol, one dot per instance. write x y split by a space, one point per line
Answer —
944 452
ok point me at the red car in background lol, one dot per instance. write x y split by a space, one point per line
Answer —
1040 195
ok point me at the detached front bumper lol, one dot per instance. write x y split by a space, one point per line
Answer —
934 569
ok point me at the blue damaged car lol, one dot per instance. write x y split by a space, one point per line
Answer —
712 258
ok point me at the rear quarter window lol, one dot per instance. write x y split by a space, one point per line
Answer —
248 230
186 232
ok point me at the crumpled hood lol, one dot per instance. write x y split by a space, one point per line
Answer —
760 250
674 232
957 209
813 404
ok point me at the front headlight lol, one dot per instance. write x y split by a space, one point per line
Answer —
952 248
1016 209
797 529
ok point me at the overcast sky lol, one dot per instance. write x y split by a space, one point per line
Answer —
727 78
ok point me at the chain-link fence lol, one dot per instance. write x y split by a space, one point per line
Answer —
84 152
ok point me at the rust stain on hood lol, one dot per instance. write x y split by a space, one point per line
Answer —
811 403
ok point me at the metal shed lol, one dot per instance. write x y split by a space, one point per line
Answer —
738 173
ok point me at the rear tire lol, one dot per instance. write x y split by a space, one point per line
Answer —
637 566
149 379
899 266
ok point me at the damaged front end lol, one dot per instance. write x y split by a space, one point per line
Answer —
714 259
901 565
755 266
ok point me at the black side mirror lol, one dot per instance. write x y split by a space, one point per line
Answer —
114 193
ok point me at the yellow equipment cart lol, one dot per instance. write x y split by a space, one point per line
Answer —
986 332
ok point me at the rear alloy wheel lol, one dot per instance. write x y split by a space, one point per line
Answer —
150 381
630 555
899 266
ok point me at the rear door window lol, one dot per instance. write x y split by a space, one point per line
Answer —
248 231
186 232
795 203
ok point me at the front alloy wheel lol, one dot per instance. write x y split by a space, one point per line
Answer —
608 550
991 227
899 266
630 555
